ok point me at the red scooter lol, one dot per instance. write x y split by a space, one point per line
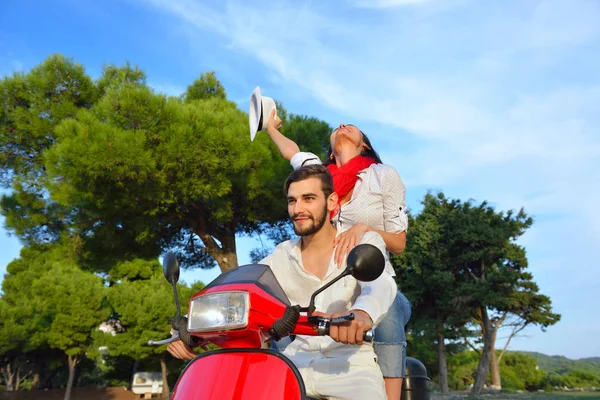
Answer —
242 310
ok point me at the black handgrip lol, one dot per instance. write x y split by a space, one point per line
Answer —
368 336
286 324
180 325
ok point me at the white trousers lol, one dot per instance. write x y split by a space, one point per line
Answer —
351 376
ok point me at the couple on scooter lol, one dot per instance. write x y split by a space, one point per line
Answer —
373 195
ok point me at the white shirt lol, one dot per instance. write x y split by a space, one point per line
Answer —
377 200
375 298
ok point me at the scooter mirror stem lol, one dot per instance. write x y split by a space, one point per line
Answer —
176 299
311 307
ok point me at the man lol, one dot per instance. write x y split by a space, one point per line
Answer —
340 366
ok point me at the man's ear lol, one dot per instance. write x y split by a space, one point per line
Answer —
332 201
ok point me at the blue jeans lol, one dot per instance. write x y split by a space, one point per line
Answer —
390 339
282 344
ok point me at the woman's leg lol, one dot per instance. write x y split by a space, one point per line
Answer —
390 346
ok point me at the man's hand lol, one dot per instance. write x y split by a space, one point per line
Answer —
351 332
180 350
274 121
347 240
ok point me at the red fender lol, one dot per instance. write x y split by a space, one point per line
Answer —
240 374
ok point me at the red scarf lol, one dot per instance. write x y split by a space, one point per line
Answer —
345 177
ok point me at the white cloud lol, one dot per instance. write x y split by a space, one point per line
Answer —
472 112
500 101
168 89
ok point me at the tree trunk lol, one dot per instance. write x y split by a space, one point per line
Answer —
9 377
18 381
442 365
484 362
35 384
225 255
72 360
134 369
165 373
495 361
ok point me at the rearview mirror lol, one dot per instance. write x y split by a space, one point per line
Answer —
171 268
365 262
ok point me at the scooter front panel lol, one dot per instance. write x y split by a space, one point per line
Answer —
240 374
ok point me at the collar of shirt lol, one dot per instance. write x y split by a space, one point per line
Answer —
296 255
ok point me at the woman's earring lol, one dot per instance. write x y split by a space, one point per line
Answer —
331 156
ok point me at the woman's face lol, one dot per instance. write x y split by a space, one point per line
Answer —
346 132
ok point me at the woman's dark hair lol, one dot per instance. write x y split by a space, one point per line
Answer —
368 152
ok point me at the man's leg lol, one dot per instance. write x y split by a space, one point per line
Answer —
342 378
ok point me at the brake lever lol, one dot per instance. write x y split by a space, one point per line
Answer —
342 319
318 320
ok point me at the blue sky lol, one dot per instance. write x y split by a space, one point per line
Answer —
492 101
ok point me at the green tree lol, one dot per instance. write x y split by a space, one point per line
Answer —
462 262
204 88
12 337
74 299
24 331
133 172
57 304
31 106
520 371
580 379
427 274
461 367
492 266
144 306
525 307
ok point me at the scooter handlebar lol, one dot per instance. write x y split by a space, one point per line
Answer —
323 325
164 341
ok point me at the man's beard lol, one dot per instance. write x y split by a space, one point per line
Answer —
312 228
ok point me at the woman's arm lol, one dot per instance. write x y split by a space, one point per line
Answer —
395 220
346 241
287 147
395 243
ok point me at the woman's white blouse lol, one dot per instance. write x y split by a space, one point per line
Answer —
377 200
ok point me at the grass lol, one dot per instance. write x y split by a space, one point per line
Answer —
519 396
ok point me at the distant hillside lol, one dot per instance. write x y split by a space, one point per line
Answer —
591 359
561 364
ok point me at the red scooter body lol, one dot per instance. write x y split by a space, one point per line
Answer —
242 369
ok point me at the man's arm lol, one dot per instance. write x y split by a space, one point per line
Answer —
377 296
372 304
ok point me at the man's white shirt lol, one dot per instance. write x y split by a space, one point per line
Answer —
374 297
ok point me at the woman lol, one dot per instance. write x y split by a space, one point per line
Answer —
371 199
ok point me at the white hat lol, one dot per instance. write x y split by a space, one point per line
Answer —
260 111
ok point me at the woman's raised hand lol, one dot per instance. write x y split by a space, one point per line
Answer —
274 121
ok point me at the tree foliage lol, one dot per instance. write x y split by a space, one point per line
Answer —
462 264
56 304
131 171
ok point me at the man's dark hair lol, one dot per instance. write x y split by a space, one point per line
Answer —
311 171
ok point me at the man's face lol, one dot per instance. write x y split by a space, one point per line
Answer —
307 206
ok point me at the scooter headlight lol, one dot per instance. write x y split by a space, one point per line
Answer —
219 312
